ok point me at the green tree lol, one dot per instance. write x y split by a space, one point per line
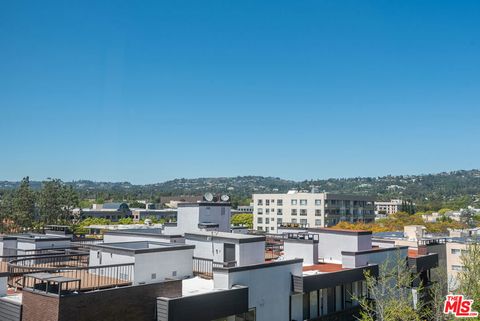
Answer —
136 204
390 294
6 212
56 202
467 216
125 221
469 277
242 220
24 205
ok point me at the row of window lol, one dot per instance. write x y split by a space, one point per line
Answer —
318 212
292 202
318 202
293 211
318 222
457 251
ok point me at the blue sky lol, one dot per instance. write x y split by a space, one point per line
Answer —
146 91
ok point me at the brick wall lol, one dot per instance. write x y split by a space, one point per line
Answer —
136 303
39 307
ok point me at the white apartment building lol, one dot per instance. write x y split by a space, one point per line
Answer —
388 208
308 209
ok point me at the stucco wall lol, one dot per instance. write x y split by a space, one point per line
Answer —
308 251
168 264
269 289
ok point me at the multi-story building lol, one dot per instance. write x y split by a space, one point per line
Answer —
109 211
388 208
203 274
309 209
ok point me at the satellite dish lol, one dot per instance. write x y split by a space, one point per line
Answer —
208 197
225 198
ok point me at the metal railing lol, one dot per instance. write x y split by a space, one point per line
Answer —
203 267
71 266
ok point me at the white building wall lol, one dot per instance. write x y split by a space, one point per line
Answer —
187 219
250 253
269 289
7 244
331 245
114 238
308 251
106 258
165 264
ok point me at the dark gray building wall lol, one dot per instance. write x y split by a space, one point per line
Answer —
10 311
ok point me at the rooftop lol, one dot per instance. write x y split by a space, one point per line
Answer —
140 247
241 238
339 231
322 268
197 285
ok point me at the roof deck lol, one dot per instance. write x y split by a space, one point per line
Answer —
322 268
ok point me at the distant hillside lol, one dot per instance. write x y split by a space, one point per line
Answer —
436 188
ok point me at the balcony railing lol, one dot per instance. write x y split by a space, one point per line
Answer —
204 267
70 266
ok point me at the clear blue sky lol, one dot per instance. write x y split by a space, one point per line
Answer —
146 91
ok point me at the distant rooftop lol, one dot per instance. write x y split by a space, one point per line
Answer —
241 238
140 247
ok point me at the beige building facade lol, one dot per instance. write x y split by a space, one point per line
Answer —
309 209
388 208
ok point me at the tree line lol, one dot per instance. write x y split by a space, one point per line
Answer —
24 209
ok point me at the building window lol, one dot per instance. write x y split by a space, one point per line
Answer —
279 202
318 202
318 222
260 211
259 220
294 202
457 268
303 212
294 211
267 211
303 202
267 202
279 220
260 202
272 219
303 221
267 220
260 228
456 251
279 211
318 212
294 220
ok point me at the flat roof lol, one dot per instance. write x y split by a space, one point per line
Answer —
34 237
322 268
196 204
236 237
267 264
338 231
143 232
139 247
197 285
